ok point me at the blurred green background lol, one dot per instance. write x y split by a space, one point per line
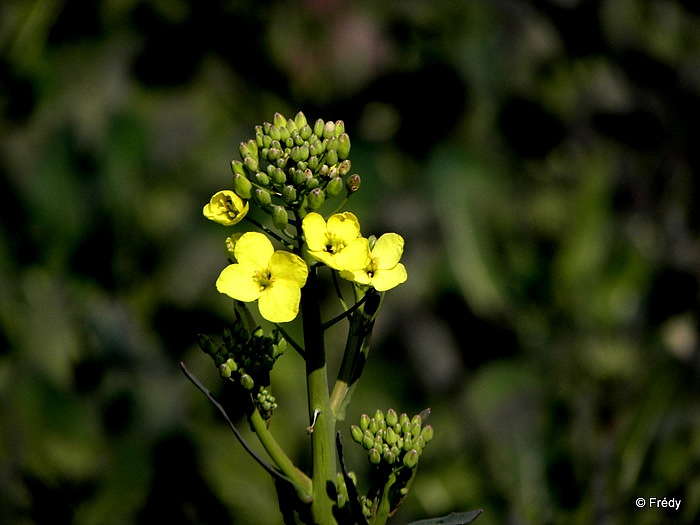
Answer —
540 159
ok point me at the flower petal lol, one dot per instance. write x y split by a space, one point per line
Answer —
254 248
314 227
225 207
386 279
279 303
354 256
236 280
288 266
388 250
344 226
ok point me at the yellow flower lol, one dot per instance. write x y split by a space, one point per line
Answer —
338 243
226 208
273 278
384 270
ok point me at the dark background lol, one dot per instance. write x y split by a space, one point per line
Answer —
540 159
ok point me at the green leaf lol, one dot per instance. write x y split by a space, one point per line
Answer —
455 518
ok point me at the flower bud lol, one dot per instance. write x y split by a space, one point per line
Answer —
417 420
262 178
311 181
247 382
407 441
379 415
299 178
374 456
356 433
259 136
317 148
298 140
390 436
278 175
289 194
225 371
373 426
280 218
207 345
344 167
334 187
279 120
353 184
329 130
418 444
415 429
331 157
300 120
250 164
391 417
427 433
285 134
343 146
262 198
274 133
389 457
319 127
410 460
364 422
242 186
367 440
305 132
339 128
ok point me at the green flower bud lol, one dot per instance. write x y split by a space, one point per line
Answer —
319 127
305 132
316 198
373 426
379 415
389 457
298 140
391 417
333 144
367 440
247 382
334 187
339 128
353 184
415 429
331 157
313 162
317 148
407 441
417 420
279 348
274 133
281 162
285 134
244 151
299 178
374 456
242 186
280 219
378 442
390 436
300 120
267 141
278 175
208 345
302 165
250 164
262 178
279 120
237 167
418 444
396 451
231 364
364 422
262 198
289 194
343 146
311 181
410 460
356 433
403 419
427 433
225 371
328 130
259 136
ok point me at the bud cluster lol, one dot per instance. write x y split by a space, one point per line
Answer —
395 440
266 403
244 357
294 165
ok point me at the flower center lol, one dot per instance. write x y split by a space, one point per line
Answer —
228 207
372 267
264 279
333 245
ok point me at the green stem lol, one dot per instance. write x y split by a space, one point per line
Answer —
321 417
301 481
356 352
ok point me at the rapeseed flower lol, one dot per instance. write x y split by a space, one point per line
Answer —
225 207
273 278
384 271
336 243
